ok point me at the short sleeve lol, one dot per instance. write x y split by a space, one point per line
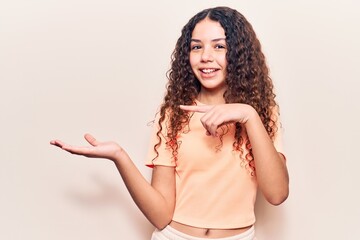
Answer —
165 156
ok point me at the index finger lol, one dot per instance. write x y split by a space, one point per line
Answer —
195 108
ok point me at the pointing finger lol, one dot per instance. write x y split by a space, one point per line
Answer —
201 109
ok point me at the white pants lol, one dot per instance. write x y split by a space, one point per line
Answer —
170 233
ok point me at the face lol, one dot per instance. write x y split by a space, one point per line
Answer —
208 55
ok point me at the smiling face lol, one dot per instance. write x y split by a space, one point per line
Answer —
208 56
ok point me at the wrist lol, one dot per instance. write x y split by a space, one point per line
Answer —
252 115
118 155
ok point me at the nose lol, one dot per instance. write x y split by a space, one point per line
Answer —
207 55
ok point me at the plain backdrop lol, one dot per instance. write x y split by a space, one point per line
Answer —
68 67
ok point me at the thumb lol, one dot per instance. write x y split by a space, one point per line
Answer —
90 139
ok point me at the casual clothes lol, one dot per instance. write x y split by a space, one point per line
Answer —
215 184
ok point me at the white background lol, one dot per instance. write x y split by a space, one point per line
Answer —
68 67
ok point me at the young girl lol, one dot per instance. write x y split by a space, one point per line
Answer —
216 138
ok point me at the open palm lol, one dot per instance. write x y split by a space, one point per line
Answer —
109 150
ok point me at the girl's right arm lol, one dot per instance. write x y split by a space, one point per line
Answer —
155 200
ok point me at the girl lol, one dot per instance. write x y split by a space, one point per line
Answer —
216 138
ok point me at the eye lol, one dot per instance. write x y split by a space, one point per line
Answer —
195 47
220 46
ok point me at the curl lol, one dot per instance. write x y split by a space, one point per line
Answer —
247 80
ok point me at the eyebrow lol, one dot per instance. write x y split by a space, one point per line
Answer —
213 40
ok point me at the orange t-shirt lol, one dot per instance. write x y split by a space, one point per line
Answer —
214 187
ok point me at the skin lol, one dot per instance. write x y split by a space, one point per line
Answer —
208 59
157 199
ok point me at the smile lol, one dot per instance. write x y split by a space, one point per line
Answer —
208 70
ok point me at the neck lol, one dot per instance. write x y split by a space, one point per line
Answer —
211 98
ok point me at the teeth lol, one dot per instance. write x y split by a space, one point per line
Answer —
208 70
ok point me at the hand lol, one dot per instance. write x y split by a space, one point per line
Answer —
217 115
109 150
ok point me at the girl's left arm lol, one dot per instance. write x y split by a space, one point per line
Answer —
271 170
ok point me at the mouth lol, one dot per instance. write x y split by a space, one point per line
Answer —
208 70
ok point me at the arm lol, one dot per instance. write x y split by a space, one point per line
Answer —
271 171
155 200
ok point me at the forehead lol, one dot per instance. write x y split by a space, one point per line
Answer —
208 29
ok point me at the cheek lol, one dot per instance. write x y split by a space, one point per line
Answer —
191 57
192 60
223 61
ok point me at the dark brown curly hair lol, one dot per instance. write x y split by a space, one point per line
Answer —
247 79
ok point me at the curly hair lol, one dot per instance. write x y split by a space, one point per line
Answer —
247 79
